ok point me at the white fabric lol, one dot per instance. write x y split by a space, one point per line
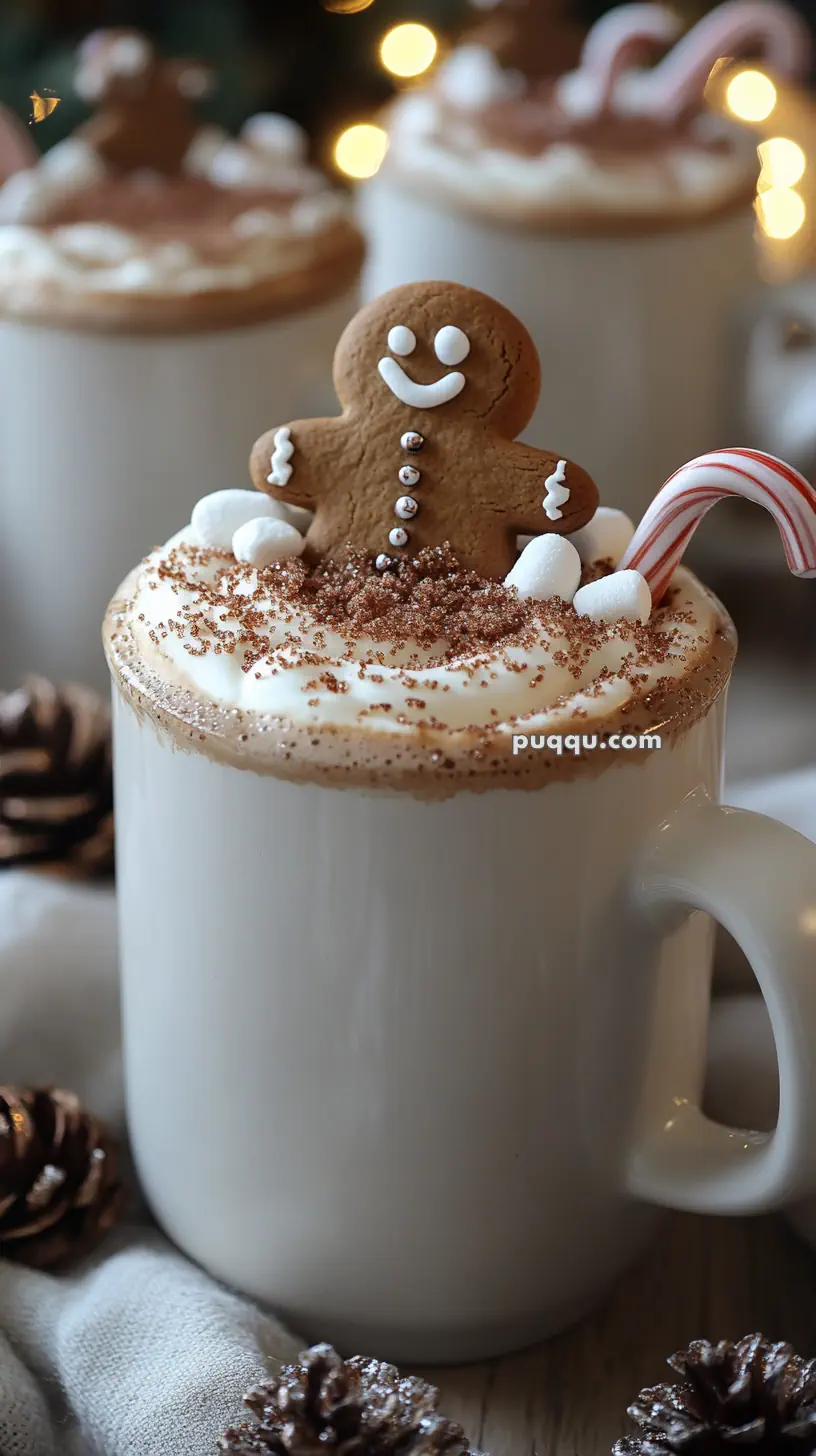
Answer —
59 999
138 1353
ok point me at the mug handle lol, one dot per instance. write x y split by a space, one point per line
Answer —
758 879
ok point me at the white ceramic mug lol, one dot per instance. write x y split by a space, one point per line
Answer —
416 1072
632 330
106 443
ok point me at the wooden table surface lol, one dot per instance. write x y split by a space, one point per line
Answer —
710 1278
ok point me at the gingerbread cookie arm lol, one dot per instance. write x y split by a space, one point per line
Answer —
546 493
299 462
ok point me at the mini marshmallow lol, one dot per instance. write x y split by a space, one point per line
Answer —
471 77
71 165
206 145
417 115
235 165
134 275
313 213
276 136
605 537
174 257
28 250
261 222
265 540
217 517
548 567
297 516
95 242
24 198
624 594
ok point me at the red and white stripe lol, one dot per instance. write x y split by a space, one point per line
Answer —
732 29
621 39
677 510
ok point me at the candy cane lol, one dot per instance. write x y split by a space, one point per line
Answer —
678 81
677 510
613 45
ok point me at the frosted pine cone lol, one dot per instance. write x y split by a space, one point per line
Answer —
56 781
59 1189
752 1396
354 1407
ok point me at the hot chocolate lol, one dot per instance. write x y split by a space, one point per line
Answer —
608 146
159 281
603 200
416 681
128 225
277 633
433 952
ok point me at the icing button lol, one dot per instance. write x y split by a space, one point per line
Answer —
382 562
398 537
406 507
412 441
409 475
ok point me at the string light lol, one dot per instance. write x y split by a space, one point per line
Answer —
781 212
346 7
408 50
783 163
751 96
360 150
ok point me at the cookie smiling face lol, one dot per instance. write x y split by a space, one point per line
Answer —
451 346
433 345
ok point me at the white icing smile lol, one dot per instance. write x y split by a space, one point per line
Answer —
451 346
420 396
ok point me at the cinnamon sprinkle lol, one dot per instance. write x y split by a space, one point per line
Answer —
432 603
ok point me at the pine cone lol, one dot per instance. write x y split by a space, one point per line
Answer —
59 1191
355 1407
56 783
753 1395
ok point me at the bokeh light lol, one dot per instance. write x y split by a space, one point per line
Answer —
781 212
360 150
783 163
408 50
751 96
346 7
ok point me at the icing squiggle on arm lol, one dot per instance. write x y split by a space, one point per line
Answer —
557 492
281 472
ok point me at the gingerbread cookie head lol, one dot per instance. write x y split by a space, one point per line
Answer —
145 116
436 381
434 345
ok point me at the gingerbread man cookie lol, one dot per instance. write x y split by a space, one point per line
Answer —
145 118
436 381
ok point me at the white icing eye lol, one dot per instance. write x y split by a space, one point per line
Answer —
451 345
130 55
401 341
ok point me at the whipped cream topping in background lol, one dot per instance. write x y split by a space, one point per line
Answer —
568 675
437 143
283 211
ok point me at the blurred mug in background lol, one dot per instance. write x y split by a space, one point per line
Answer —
608 204
161 286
